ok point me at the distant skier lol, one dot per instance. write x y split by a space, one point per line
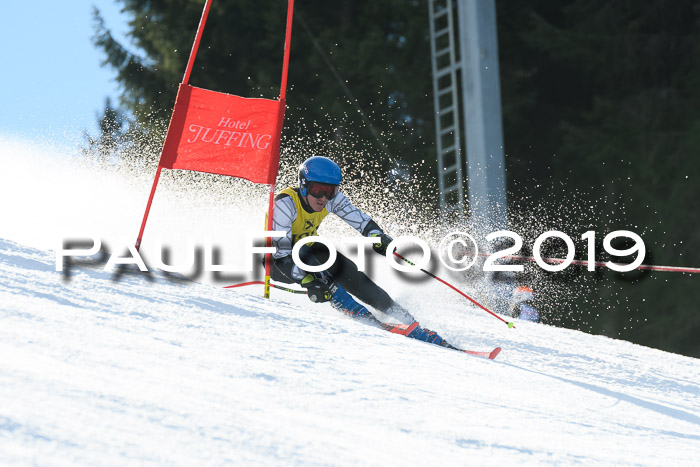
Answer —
299 211
521 305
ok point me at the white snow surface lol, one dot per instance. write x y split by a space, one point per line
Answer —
139 371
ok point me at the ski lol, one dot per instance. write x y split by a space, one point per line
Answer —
403 329
490 355
406 329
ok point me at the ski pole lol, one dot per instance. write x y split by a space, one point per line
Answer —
263 283
509 323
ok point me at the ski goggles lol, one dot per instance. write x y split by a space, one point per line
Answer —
319 190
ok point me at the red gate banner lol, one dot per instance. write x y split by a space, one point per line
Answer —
224 134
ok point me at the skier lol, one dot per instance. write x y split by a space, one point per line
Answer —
299 212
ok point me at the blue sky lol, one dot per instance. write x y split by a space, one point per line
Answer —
52 85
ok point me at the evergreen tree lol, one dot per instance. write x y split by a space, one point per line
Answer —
105 146
603 101
377 51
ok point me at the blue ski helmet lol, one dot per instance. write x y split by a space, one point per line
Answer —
318 169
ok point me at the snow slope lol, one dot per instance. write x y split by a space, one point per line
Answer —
97 371
101 372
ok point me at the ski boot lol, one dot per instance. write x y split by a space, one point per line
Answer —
343 301
416 332
426 335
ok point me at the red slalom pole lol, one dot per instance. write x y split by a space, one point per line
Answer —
197 39
287 49
509 323
602 264
185 80
148 208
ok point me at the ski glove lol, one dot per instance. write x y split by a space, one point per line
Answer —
318 289
385 240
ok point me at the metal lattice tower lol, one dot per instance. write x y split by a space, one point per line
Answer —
466 88
446 66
